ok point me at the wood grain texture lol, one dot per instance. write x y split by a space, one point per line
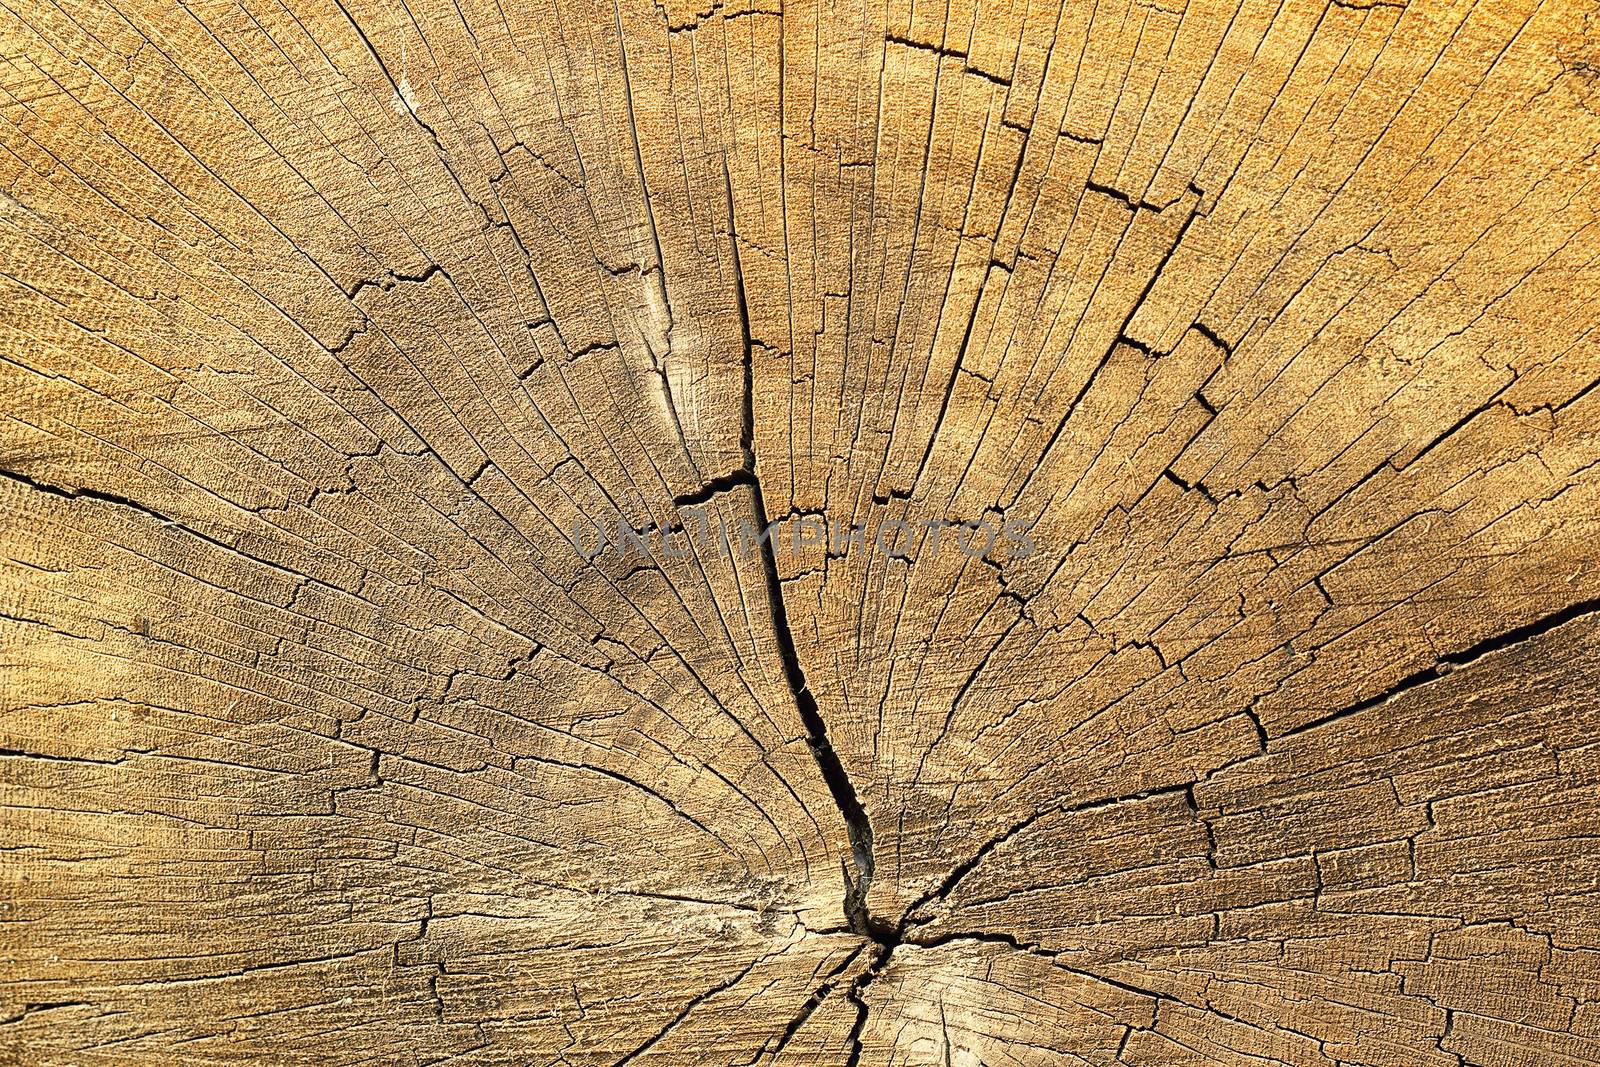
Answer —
1273 325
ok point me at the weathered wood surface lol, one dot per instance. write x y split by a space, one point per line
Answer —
321 327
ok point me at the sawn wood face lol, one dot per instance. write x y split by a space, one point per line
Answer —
647 533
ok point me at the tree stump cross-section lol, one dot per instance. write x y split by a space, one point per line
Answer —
768 534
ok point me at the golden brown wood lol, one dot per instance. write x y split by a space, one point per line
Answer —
1271 328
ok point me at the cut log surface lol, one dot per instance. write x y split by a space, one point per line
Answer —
690 533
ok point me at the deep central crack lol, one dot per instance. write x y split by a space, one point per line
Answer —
857 827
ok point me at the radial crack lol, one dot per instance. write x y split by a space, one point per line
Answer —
857 826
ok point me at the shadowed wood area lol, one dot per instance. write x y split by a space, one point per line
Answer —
674 533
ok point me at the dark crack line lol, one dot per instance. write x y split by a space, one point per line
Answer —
1448 664
720 484
853 995
807 1009
858 828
